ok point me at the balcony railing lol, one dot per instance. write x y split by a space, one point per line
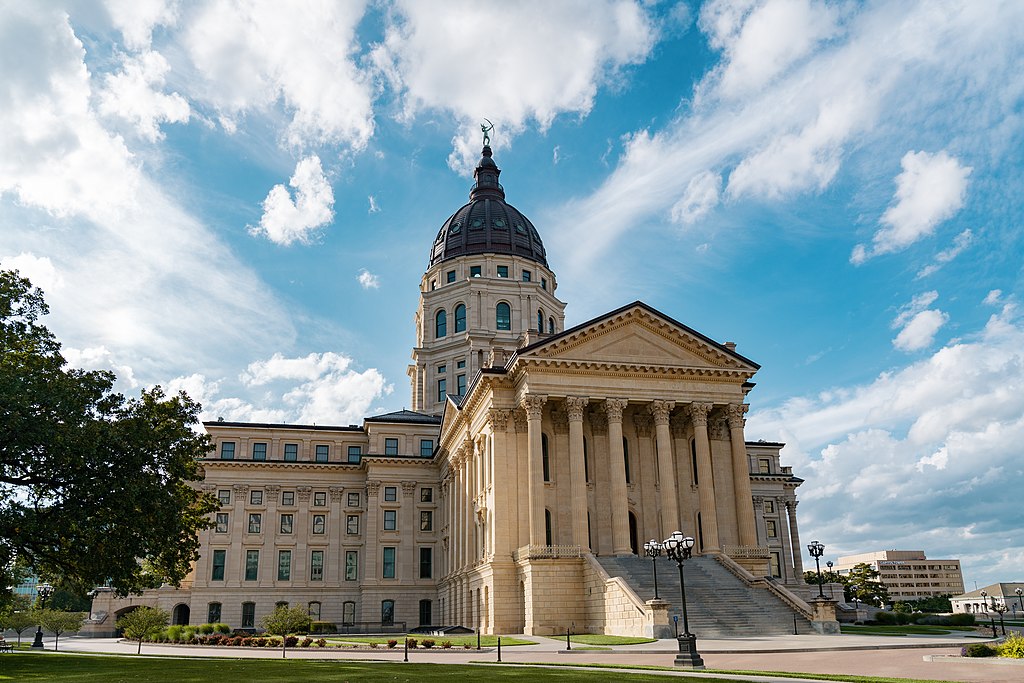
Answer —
547 552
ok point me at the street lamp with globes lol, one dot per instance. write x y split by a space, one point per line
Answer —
1018 591
817 549
680 548
653 549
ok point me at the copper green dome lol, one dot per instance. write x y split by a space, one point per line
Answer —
487 224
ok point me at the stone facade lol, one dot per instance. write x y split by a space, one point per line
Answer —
530 450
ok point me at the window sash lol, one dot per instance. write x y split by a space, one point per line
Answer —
284 565
316 565
351 565
388 564
252 565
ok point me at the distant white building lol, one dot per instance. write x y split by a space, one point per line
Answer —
1009 594
908 574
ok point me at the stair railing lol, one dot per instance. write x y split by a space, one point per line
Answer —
781 592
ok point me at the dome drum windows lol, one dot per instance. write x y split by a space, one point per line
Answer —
441 324
503 316
460 318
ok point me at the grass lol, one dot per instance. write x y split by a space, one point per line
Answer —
113 669
456 641
590 639
907 630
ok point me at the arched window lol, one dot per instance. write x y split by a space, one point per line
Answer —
387 613
313 610
460 318
547 528
440 324
540 320
551 325
503 316
625 460
545 460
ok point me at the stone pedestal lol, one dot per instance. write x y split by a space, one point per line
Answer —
824 616
658 623
688 657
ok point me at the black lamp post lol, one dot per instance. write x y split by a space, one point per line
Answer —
652 548
817 549
853 591
984 599
1019 599
44 591
1000 609
680 548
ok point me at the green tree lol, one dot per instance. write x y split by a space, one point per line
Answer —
811 577
94 488
284 620
57 622
18 616
143 622
869 589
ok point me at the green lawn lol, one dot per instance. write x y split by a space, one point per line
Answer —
456 641
589 639
908 630
42 668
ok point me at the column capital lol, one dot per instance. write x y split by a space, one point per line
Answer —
642 422
791 504
758 502
614 407
574 406
208 488
408 487
699 413
272 489
533 404
519 415
241 489
560 421
661 411
372 488
497 419
735 413
335 493
598 422
679 427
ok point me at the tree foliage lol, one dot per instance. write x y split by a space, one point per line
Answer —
284 620
58 621
869 589
143 622
18 616
94 488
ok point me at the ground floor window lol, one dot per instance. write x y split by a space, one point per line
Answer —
348 613
314 611
248 614
213 613
387 613
425 616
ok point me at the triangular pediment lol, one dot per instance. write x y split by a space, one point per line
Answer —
638 335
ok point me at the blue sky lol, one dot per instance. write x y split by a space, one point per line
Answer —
237 198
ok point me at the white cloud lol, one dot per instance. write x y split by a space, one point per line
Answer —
498 61
286 220
249 54
133 95
920 330
38 269
373 205
960 243
930 189
100 358
700 197
994 297
136 19
916 305
368 280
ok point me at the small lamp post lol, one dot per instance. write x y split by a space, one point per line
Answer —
830 577
1019 599
44 590
984 599
853 591
680 548
1000 609
817 549
653 549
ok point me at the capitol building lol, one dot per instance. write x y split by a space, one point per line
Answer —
517 492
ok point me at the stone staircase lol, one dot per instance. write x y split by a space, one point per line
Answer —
719 604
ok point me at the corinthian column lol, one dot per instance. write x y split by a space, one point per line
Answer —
533 404
741 476
666 467
705 475
794 538
577 470
617 465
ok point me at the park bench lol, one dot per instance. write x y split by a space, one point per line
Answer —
6 647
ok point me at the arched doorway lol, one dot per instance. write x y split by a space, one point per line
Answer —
634 539
180 615
120 613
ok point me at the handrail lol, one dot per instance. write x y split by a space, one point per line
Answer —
778 591
533 552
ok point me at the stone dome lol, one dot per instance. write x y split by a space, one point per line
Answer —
487 224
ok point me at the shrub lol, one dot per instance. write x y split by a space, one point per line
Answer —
174 633
392 644
306 642
961 620
221 628
321 642
291 641
428 643
214 639
1013 647
466 646
373 645
412 643
206 629
323 627
886 618
447 644
979 650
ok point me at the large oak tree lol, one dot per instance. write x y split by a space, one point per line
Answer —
95 488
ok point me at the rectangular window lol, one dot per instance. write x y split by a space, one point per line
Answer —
255 497
287 523
771 528
259 451
388 565
284 565
213 613
527 276
252 565
287 498
460 364
218 565
222 523
390 520
390 446
224 496
426 448
248 614
502 271
775 565
313 610
353 500
426 563
390 493
316 565
319 524
426 495
255 521
291 452
450 276
351 565
544 283
764 466
322 453
227 450
460 384
355 453
441 369
769 506
442 389
352 524
426 520
474 271
319 498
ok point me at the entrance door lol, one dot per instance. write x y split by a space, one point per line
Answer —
634 541
181 615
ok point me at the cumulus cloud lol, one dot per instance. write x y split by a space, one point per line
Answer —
286 220
368 280
534 71
38 269
917 323
922 457
930 189
136 19
133 95
700 197
100 358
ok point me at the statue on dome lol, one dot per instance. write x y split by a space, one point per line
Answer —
485 129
